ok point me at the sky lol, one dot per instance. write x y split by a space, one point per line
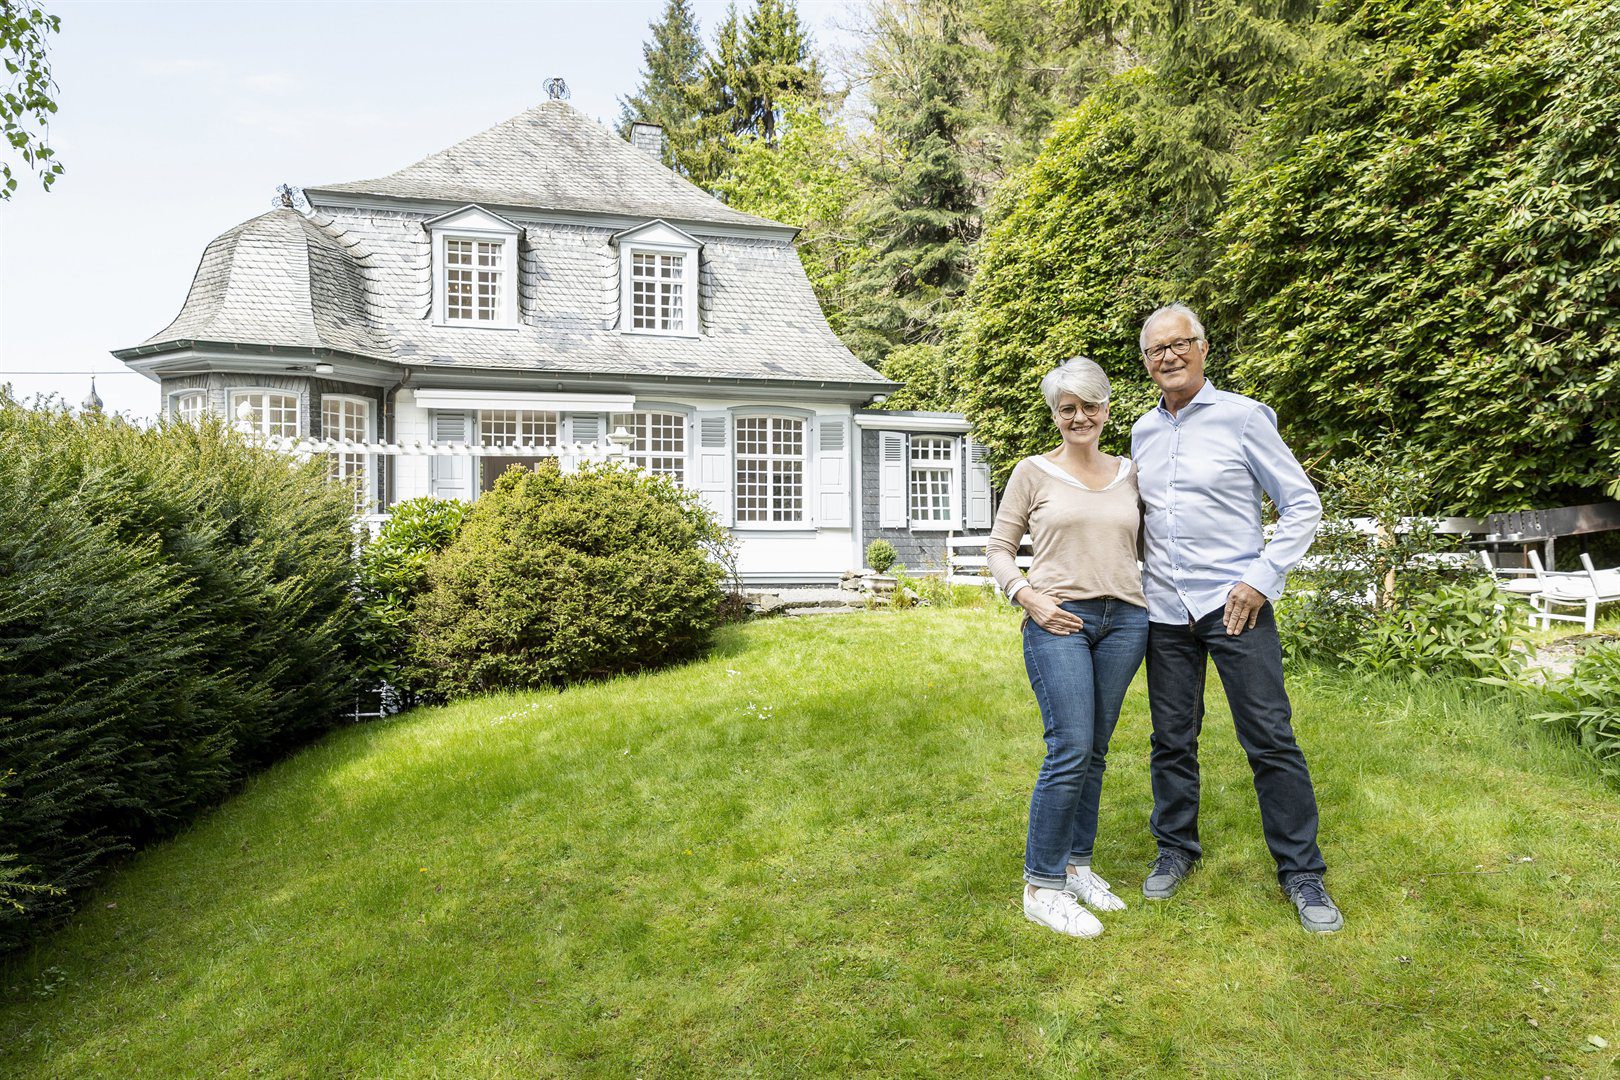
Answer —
177 121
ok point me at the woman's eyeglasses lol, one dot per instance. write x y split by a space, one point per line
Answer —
1090 408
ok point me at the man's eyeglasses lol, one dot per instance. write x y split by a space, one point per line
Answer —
1180 346
1090 408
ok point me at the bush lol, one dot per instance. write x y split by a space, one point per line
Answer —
393 574
556 577
880 555
1378 553
177 608
1461 630
1586 704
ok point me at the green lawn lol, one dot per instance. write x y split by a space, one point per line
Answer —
802 857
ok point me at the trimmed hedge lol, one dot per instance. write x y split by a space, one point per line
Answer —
557 577
177 608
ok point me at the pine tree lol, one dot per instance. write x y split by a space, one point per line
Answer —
669 83
722 97
779 63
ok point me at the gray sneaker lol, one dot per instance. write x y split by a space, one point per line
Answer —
1317 911
1166 874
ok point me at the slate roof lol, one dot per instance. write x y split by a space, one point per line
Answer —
277 279
358 279
551 157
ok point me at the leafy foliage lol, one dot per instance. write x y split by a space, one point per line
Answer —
1586 704
28 100
176 610
1462 631
1430 250
557 577
880 555
393 573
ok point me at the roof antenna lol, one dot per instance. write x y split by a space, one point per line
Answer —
556 89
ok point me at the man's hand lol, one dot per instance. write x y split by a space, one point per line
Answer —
1243 606
1046 613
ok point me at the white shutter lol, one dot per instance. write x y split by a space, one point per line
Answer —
714 461
832 472
891 480
452 473
978 485
584 428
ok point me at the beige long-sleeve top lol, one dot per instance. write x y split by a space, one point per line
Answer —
1085 539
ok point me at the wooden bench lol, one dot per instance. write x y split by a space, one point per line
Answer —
966 563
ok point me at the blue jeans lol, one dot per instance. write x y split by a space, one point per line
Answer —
1079 681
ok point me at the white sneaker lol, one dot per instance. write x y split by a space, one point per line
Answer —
1057 910
1092 890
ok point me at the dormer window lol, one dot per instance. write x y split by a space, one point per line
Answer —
474 269
658 273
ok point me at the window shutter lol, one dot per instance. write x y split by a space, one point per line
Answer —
891 480
978 485
714 461
452 473
584 428
832 472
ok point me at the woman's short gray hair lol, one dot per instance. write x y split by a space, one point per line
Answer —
1078 376
1172 309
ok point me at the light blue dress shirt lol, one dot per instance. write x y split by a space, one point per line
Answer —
1201 473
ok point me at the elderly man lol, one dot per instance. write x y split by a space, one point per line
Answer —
1203 457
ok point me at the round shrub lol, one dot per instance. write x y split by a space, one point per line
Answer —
557 577
880 555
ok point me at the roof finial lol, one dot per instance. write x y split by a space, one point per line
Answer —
556 89
92 403
287 197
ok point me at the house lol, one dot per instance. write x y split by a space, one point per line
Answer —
545 283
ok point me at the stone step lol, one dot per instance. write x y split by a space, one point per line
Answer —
806 612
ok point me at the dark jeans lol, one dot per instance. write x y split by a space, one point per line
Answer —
1250 667
1079 681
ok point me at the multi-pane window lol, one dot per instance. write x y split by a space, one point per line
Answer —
660 441
770 469
267 413
513 427
657 291
191 407
350 419
932 466
472 280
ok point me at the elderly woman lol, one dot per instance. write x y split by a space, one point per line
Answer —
1085 630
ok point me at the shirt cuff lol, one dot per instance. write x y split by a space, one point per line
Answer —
1264 579
1017 583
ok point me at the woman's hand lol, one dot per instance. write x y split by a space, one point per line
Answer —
1046 613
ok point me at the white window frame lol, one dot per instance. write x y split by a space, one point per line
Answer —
177 409
657 238
952 468
642 457
476 225
523 420
237 393
772 458
345 465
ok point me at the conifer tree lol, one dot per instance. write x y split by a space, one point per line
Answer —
668 94
722 102
779 63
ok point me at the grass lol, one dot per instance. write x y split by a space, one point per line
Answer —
802 856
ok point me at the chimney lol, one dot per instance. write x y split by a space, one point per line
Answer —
649 138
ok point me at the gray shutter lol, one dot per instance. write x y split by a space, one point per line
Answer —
584 428
714 461
832 472
891 480
978 485
453 473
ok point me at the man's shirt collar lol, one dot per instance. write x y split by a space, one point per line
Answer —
1205 396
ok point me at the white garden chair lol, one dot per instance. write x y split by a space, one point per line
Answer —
1584 591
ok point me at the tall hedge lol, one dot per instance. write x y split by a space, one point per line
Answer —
177 608
1432 252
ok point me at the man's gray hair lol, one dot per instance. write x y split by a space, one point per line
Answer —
1078 376
1171 309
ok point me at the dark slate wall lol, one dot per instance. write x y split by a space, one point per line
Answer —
922 552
